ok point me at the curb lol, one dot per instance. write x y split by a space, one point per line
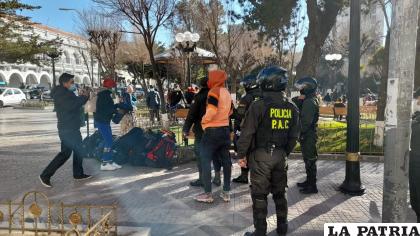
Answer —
186 155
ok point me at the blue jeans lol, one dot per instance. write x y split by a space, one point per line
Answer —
106 132
215 145
71 142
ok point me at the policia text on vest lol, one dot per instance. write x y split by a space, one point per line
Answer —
280 118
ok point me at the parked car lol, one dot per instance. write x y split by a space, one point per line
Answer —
11 96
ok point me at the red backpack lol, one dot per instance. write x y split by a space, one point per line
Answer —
162 155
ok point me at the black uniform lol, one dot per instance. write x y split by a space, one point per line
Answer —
414 165
244 104
309 115
269 133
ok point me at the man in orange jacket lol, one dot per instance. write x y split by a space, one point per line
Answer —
216 139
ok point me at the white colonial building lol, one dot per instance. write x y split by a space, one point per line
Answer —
71 61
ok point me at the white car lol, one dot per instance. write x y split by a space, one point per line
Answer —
11 96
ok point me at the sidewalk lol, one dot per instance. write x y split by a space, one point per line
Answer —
162 200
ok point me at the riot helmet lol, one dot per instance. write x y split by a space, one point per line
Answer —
306 85
249 82
272 78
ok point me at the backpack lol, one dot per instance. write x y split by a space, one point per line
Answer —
163 153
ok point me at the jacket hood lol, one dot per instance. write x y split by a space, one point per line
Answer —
217 78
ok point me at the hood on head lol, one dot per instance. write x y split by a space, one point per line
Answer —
217 78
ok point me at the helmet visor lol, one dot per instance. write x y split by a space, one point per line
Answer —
299 86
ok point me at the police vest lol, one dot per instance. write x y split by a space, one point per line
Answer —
273 131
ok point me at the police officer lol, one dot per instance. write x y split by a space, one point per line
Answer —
308 105
269 133
252 94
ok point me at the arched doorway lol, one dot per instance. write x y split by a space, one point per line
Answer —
31 79
45 81
15 80
77 80
86 81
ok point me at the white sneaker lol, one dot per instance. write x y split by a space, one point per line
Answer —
225 195
116 165
108 166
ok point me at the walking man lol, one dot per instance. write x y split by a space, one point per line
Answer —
309 115
215 142
269 133
153 103
67 107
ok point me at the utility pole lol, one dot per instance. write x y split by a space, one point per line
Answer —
352 184
402 57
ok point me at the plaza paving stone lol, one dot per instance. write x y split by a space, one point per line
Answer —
162 200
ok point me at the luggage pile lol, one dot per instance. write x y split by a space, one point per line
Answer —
137 148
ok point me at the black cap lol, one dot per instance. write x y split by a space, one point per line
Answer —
64 78
417 93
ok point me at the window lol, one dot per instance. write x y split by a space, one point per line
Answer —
17 91
2 91
8 92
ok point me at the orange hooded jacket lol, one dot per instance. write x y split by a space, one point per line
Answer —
219 101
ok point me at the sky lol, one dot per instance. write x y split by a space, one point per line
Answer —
50 15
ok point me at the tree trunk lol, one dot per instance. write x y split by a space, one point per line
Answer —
310 56
380 113
417 70
320 25
382 96
157 79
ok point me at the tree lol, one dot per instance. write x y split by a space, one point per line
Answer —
104 35
272 20
15 47
147 16
322 17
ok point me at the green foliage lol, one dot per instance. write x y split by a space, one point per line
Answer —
14 47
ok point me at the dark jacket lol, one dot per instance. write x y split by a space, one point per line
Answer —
105 107
257 115
415 134
196 113
153 100
244 103
67 107
309 114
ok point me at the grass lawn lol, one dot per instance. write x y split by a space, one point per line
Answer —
331 137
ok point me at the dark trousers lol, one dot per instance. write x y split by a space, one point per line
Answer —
310 155
71 142
197 142
215 146
268 174
414 180
154 113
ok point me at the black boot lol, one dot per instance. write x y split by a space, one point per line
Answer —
196 183
282 229
253 234
312 189
303 184
243 178
259 209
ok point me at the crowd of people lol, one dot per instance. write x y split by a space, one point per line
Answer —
267 126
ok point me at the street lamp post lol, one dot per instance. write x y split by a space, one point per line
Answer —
187 42
53 54
352 183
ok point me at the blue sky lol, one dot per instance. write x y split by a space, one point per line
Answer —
50 15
